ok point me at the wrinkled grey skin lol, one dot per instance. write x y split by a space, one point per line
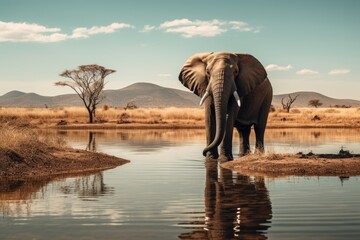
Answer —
220 74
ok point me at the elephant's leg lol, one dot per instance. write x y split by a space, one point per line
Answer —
261 123
210 127
259 133
244 133
226 144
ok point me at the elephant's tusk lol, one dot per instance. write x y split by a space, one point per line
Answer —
236 95
204 97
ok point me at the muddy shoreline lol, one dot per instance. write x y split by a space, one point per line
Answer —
281 165
55 162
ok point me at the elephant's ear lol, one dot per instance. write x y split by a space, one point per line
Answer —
251 74
193 74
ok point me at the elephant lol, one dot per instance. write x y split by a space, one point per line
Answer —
236 92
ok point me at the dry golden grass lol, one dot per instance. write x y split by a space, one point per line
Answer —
315 117
24 139
51 116
299 117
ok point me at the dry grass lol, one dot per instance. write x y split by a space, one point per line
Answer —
43 115
51 116
316 117
24 140
300 117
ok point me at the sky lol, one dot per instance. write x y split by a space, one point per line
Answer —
304 45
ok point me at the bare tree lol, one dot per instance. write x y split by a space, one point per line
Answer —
315 103
286 106
88 82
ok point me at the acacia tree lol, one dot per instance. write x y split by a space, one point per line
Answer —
88 82
315 103
286 106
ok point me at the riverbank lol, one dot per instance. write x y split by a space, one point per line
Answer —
172 118
279 165
55 162
25 153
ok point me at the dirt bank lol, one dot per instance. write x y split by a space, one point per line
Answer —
27 153
277 165
57 161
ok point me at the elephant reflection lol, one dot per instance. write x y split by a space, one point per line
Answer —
235 208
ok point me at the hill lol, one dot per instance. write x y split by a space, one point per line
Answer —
304 97
151 95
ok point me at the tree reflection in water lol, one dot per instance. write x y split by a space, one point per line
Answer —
236 207
91 145
16 196
88 186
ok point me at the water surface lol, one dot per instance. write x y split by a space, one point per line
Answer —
169 191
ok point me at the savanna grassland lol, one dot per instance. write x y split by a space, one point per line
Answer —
107 117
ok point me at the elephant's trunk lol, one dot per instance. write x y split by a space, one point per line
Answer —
220 92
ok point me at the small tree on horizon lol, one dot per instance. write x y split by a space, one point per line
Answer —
88 82
315 103
287 105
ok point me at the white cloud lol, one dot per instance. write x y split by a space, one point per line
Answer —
307 72
32 32
188 28
164 75
148 28
176 23
86 32
274 67
192 31
240 26
29 32
339 71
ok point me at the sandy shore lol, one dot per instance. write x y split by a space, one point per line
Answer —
55 162
277 165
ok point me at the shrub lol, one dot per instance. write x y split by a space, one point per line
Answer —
295 110
272 108
124 118
130 106
105 107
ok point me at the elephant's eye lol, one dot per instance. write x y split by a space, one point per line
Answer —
235 70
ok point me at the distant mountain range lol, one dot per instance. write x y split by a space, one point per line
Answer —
151 95
142 94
